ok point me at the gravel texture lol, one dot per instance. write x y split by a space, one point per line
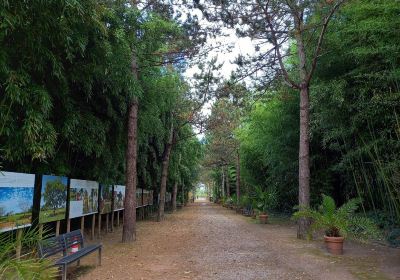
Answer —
207 241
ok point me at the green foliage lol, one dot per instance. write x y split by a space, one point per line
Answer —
244 201
265 200
55 195
269 146
340 221
27 267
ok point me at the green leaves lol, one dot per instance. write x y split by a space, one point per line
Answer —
342 221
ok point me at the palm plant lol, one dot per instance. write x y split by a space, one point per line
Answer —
28 266
339 222
265 200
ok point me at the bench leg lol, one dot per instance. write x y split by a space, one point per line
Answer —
99 256
78 263
64 272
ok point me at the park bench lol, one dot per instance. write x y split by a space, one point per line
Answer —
62 244
248 210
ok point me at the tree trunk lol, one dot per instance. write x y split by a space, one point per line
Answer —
129 227
174 192
223 182
228 185
238 177
304 161
164 174
304 141
183 193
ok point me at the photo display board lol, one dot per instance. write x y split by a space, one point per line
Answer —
138 197
119 197
147 197
16 200
53 199
83 198
150 199
105 199
168 197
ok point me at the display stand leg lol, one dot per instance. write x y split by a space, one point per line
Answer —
93 226
99 224
83 225
58 228
118 218
68 225
107 216
112 222
18 244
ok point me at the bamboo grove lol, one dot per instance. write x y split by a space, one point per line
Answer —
66 86
354 120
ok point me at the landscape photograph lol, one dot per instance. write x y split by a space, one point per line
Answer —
119 197
105 201
16 200
53 198
83 198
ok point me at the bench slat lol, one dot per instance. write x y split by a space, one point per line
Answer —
51 246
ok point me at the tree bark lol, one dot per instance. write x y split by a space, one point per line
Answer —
223 181
238 177
164 173
304 161
129 227
304 141
174 192
228 185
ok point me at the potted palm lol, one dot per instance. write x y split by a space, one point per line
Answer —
264 201
338 223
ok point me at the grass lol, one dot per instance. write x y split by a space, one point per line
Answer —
47 215
15 220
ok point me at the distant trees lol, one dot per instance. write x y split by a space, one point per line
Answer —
55 195
273 25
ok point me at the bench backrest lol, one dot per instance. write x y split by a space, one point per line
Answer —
54 245
72 238
51 246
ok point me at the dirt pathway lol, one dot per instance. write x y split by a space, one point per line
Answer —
206 241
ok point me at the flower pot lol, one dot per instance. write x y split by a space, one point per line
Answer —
253 216
263 218
334 245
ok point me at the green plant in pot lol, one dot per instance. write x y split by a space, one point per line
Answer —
264 201
338 223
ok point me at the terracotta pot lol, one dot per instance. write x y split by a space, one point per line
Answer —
334 245
263 218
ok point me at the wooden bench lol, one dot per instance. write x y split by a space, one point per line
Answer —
61 244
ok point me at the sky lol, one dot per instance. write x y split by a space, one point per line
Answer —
225 56
16 190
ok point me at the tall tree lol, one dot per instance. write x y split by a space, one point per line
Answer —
272 24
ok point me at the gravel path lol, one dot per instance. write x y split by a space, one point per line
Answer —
207 241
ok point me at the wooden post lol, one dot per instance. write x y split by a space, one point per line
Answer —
83 225
99 232
112 221
118 218
107 216
57 228
18 244
40 231
68 225
93 225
